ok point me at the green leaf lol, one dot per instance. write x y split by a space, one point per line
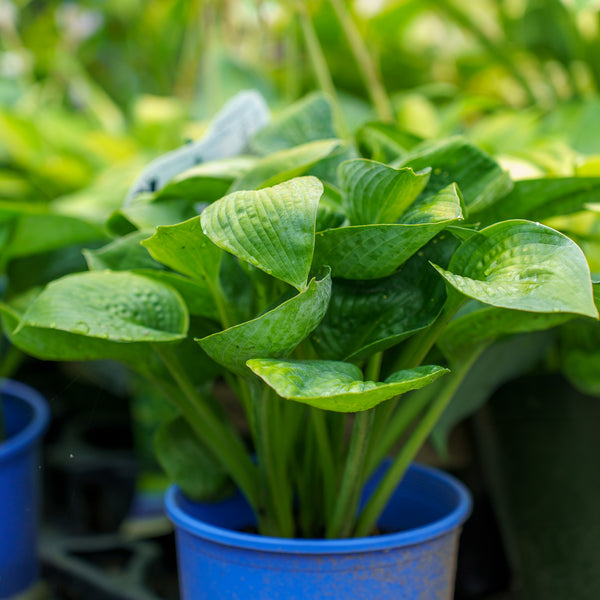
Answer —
480 179
369 316
188 462
376 193
307 120
39 269
481 325
523 266
384 142
580 352
272 229
207 181
37 233
273 334
110 305
196 294
540 199
284 165
186 249
375 251
145 213
337 386
122 254
53 344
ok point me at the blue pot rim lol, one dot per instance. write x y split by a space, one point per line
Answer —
24 439
454 519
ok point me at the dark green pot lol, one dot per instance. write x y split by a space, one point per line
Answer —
540 443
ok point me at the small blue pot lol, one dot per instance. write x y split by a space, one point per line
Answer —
218 562
25 416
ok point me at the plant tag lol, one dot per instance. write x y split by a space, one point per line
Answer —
228 135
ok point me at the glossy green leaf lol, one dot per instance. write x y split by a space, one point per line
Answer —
188 462
273 334
37 233
307 120
523 266
122 254
284 165
540 199
480 179
272 229
195 293
369 316
375 193
481 325
110 305
337 386
53 344
186 249
375 251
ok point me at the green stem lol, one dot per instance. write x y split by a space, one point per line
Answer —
417 348
344 514
293 63
271 459
366 65
225 444
378 501
320 67
219 297
190 52
326 460
390 426
374 367
11 361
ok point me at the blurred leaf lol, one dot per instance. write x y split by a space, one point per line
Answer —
284 165
541 199
384 142
189 464
122 254
208 181
37 233
307 120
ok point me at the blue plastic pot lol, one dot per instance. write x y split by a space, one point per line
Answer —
218 562
25 416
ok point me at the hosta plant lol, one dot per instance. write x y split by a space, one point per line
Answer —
341 291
